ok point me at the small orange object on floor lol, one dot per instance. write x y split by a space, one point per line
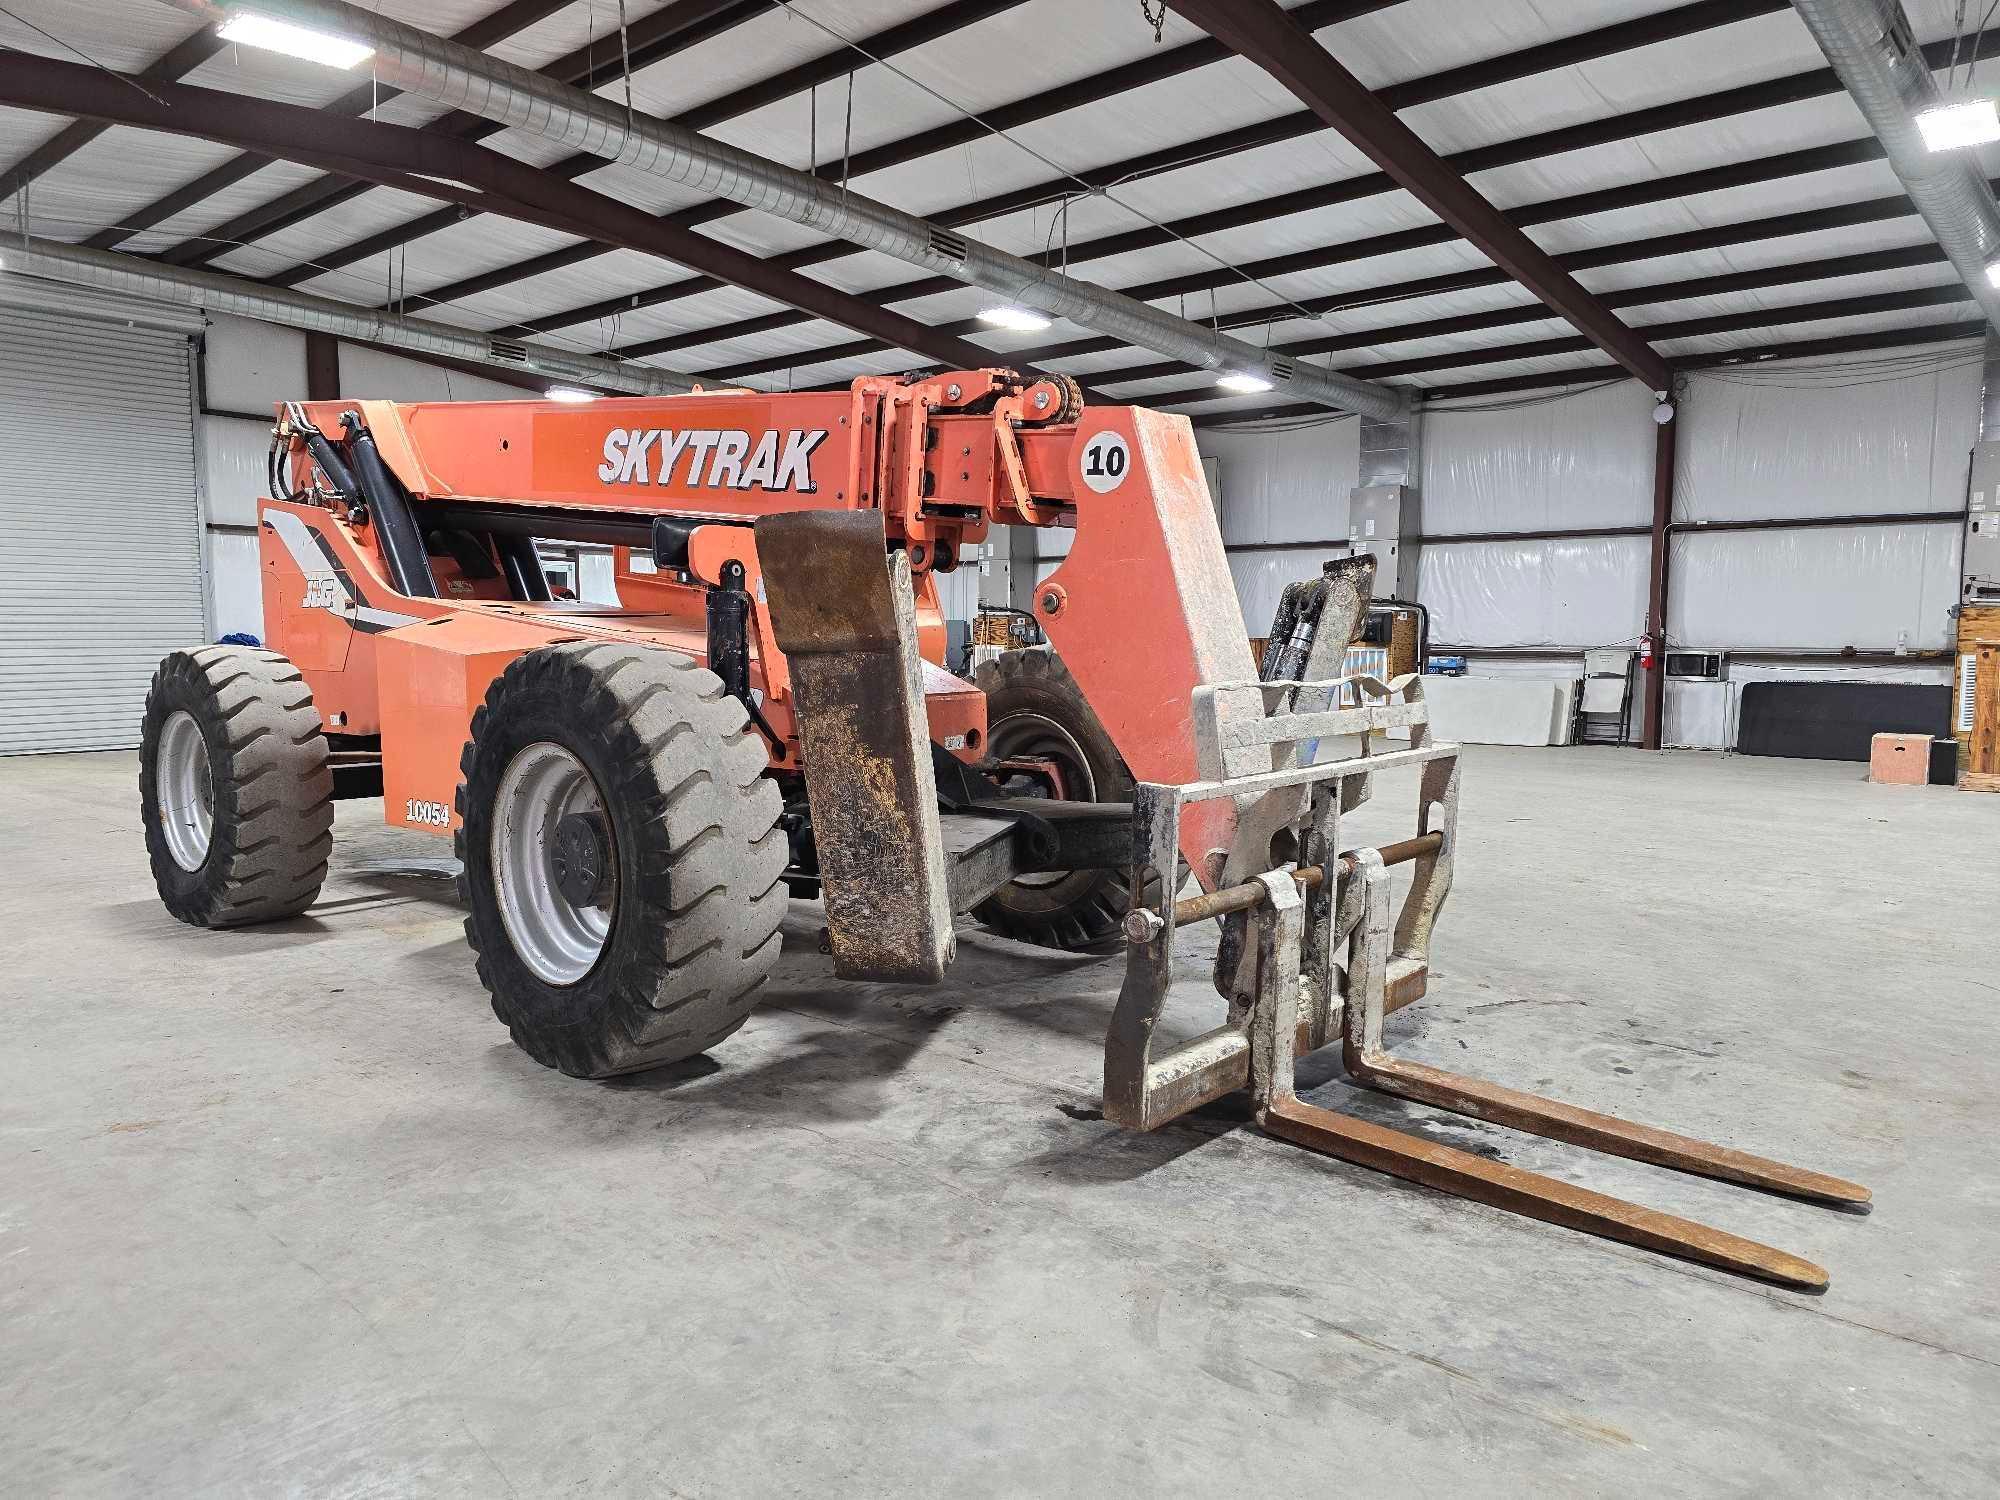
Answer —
1900 759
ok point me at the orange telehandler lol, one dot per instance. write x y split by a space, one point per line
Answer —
635 790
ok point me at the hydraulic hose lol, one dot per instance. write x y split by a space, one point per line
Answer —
402 544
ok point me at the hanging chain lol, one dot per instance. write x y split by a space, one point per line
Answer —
1155 12
847 143
625 53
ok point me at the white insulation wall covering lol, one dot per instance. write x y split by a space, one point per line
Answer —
1280 486
1582 461
958 592
1558 594
233 451
1858 436
1818 445
250 367
1275 487
1871 587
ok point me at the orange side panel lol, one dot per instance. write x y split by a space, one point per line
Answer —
433 676
1145 609
326 603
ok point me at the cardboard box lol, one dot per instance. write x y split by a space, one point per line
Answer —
1900 759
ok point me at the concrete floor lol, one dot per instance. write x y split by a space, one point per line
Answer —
282 1210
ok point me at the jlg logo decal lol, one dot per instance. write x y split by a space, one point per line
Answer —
322 592
435 814
717 459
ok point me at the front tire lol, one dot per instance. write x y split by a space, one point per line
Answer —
234 787
1035 709
622 860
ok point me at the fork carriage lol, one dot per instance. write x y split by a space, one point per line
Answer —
1278 966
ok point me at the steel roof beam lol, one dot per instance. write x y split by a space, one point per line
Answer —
519 98
1166 63
1522 63
1765 277
1845 343
485 32
1678 328
1683 242
434 165
1826 269
1262 33
1724 104
176 62
937 23
1687 328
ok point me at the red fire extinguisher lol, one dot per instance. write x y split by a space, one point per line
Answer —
1646 660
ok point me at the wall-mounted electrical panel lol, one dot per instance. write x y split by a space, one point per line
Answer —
1382 520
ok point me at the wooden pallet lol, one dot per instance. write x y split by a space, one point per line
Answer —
1979 740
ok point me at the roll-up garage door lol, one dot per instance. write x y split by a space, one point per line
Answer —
100 526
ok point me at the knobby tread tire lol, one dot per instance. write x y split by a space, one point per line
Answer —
272 828
1083 912
696 844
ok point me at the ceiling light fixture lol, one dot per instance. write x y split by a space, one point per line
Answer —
273 35
1243 384
1014 319
1959 122
569 393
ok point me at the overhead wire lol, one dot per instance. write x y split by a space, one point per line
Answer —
1815 374
125 78
1447 405
1089 188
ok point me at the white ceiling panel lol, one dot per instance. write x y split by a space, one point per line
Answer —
368 214
219 208
22 130
463 249
1773 301
125 38
758 49
715 312
1022 50
121 170
617 273
1719 343
1422 37
1790 251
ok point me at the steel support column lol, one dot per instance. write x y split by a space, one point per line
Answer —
1664 446
322 366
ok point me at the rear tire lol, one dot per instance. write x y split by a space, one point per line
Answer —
234 787
1035 708
634 767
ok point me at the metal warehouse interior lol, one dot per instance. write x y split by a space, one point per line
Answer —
782 549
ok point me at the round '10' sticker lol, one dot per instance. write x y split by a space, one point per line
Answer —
1106 462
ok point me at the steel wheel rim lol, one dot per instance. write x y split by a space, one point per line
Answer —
186 791
557 939
1034 736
